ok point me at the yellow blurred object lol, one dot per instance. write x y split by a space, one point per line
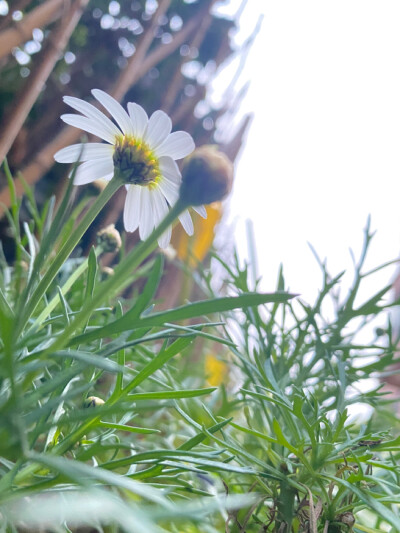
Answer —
215 369
194 249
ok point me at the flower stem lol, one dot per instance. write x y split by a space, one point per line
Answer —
66 250
285 507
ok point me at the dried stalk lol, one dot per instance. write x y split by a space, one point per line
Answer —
44 159
55 45
21 31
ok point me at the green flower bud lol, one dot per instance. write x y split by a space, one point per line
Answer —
207 176
109 239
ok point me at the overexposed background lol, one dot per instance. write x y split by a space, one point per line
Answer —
323 150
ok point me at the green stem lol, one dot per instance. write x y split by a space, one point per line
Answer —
285 507
66 250
64 289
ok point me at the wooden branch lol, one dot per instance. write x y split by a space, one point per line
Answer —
56 43
18 5
187 107
163 51
131 73
21 31
175 85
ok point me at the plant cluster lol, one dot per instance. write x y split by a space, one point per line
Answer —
108 418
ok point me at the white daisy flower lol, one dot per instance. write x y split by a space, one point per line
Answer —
141 150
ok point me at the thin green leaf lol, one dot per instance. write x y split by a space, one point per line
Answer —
85 475
163 357
192 310
167 395
130 429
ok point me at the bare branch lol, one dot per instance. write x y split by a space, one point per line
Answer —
21 31
176 82
55 45
132 71
19 5
160 53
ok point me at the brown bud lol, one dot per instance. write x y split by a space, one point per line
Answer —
207 176
109 239
347 518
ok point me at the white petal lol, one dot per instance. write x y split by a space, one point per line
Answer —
165 238
160 207
201 210
138 118
170 169
186 221
115 109
92 112
160 210
169 190
177 145
83 152
158 129
132 207
93 170
89 125
146 215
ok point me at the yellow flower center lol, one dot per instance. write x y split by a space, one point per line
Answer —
135 161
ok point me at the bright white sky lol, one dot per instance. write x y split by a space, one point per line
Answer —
323 150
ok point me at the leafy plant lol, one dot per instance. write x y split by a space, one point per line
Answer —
302 369
87 396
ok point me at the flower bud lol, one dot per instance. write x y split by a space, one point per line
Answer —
93 401
109 239
347 518
207 176
106 272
